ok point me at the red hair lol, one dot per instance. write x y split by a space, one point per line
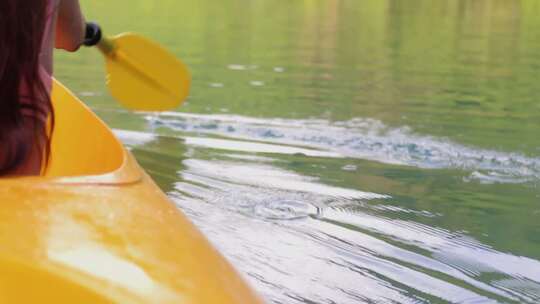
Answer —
22 132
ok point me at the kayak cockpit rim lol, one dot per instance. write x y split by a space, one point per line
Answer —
84 149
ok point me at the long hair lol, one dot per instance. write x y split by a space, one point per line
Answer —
22 27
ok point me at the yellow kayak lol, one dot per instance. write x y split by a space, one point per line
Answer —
97 229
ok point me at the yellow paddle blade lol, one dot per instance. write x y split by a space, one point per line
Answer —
142 75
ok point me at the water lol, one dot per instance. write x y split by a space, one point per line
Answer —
344 151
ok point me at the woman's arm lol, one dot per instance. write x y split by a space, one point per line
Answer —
70 26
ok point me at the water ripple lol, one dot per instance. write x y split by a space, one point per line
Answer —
359 138
285 210
385 260
341 243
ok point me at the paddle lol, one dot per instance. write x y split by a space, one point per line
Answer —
141 74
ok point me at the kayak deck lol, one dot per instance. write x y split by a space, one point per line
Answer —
97 229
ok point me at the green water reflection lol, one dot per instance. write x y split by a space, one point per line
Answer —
466 70
460 71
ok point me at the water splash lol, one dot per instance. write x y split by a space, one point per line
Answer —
365 139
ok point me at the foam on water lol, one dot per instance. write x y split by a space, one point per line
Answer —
365 139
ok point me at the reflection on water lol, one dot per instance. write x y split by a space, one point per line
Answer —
279 215
361 138
348 152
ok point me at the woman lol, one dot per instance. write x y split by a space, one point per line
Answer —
29 30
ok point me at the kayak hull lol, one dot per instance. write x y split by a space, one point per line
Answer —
97 229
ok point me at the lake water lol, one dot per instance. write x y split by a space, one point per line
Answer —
340 151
